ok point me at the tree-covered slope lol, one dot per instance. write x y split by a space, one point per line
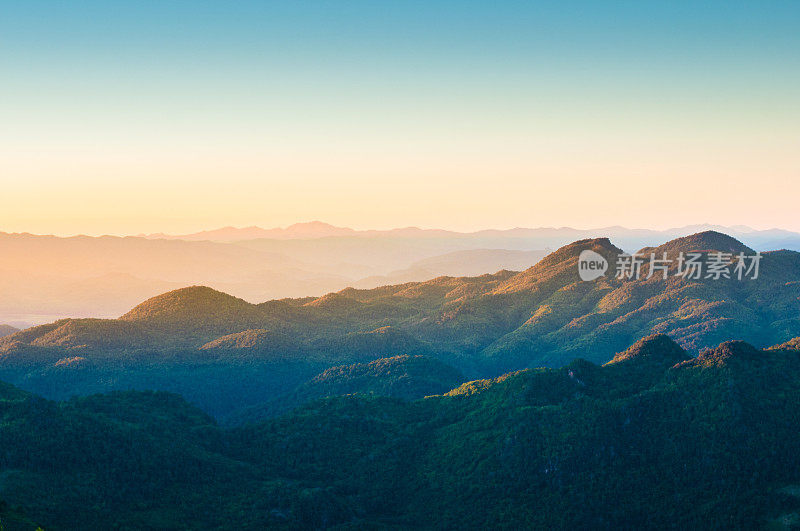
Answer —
404 377
653 439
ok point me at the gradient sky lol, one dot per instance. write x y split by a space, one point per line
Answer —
125 117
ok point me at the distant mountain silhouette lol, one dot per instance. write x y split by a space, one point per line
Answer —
629 239
6 330
313 229
471 262
48 278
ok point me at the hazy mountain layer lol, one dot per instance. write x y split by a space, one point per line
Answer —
629 239
45 278
6 330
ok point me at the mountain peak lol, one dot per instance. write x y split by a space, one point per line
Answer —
314 229
7 330
730 349
334 302
709 240
311 225
726 353
656 347
572 250
560 267
186 302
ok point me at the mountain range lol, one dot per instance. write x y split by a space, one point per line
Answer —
654 438
224 353
44 278
514 399
633 238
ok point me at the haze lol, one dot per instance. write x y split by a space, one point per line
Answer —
44 278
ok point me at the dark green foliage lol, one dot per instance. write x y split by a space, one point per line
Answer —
14 519
653 439
404 377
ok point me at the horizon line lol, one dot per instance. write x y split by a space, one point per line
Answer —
739 228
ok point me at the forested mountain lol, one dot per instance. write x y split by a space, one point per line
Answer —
7 330
653 439
224 353
405 377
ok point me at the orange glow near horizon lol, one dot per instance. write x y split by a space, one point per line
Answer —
643 184
648 116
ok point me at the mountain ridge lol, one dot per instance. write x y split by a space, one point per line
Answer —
6 330
320 229
483 326
48 278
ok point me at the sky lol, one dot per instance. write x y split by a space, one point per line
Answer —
149 116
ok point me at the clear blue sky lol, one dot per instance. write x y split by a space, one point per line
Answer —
170 115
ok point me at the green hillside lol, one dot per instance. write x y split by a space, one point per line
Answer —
405 377
653 439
